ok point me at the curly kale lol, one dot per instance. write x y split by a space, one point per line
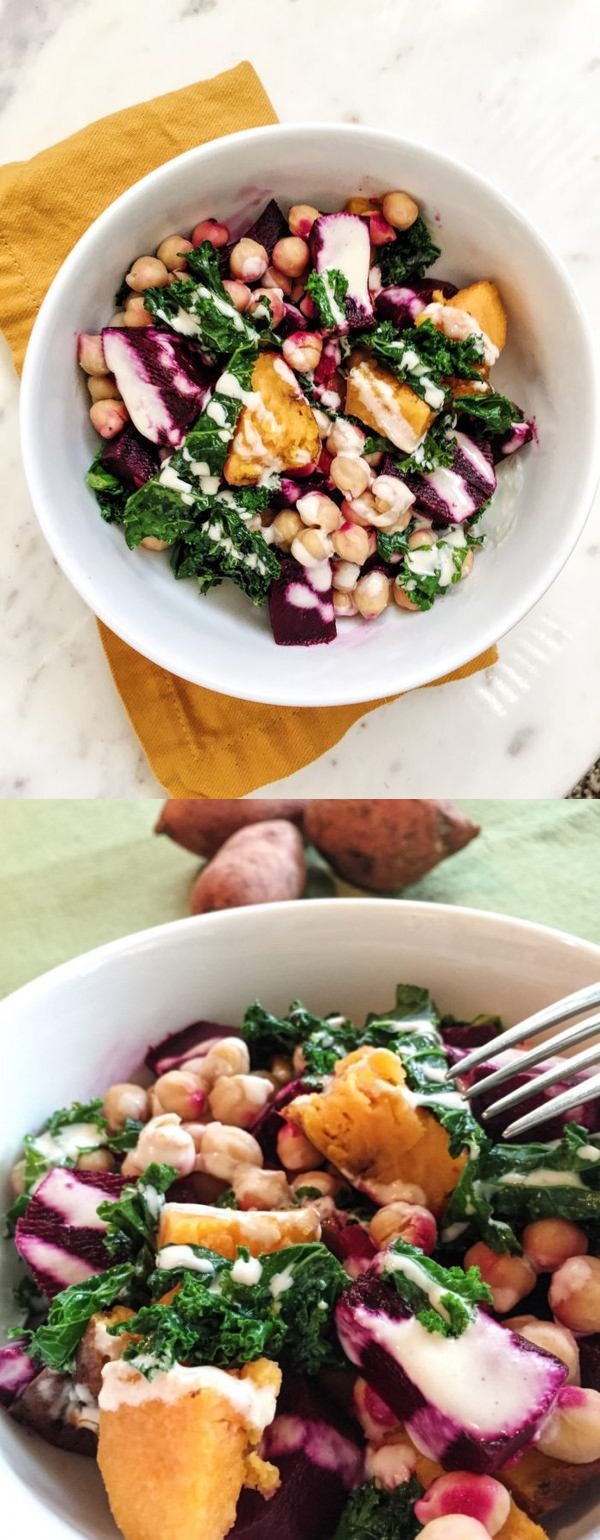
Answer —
372 1513
453 1309
110 493
409 256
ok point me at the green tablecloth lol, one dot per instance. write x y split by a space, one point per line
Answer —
76 874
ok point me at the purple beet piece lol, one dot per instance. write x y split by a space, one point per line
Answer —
300 605
17 1370
341 242
54 1408
520 433
270 227
587 1113
319 1454
60 1236
465 1035
454 493
440 1387
355 1249
402 304
191 1042
162 384
589 1360
130 457
269 1121
293 320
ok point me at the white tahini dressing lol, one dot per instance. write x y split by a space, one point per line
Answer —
169 478
182 1256
282 1281
67 1143
380 401
122 1385
436 560
542 1177
247 1270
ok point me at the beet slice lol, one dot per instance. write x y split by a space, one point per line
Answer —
318 1451
270 227
586 1113
53 1408
302 614
454 493
162 382
17 1370
269 1121
520 433
589 1359
465 1035
60 1236
130 457
293 320
402 303
191 1042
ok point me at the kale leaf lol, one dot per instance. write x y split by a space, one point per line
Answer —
409 256
37 1162
56 1342
209 314
127 1137
494 413
372 1513
424 587
498 1183
267 1035
328 291
132 1219
215 1318
453 1309
438 448
29 1300
224 547
110 493
78 1112
16 1210
422 357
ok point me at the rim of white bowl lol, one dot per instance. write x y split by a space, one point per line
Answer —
140 941
197 669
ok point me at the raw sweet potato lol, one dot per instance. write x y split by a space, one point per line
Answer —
258 865
386 845
203 827
482 300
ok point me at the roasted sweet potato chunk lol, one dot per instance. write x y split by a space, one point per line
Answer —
276 430
383 403
482 300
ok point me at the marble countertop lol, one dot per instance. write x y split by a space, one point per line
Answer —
495 84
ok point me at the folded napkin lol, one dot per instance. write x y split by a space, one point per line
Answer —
198 743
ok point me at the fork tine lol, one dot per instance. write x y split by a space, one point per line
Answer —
566 1039
572 1005
570 1068
554 1108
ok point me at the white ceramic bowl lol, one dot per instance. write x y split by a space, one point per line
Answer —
221 641
73 1031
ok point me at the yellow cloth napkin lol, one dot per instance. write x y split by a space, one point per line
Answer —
198 743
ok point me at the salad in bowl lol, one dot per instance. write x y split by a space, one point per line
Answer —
282 1281
299 410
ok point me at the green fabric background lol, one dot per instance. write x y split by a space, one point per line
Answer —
76 874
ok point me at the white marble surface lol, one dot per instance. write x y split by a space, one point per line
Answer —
503 84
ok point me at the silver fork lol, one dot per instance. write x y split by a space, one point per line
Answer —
551 1016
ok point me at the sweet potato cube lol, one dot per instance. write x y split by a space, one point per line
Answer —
383 403
174 1464
223 1230
276 430
517 1527
482 300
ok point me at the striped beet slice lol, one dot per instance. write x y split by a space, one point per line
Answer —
60 1236
191 1042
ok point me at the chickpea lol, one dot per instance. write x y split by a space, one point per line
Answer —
572 1432
248 260
402 599
574 1294
17 1178
556 1340
400 210
509 1278
291 256
326 1184
90 354
103 388
223 1149
343 605
286 525
302 351
96 1160
196 1132
237 1099
389 1465
153 543
271 299
345 438
136 313
454 1526
229 1056
312 547
467 565
419 539
275 280
295 1151
548 1243
147 273
164 1140
125 1100
410 1221
360 510
345 576
210 230
261 1189
180 1091
391 493
380 231
108 417
319 512
172 252
301 219
461 1492
281 1070
308 307
372 594
239 293
118 319
353 543
350 474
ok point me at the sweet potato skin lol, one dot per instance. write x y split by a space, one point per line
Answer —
482 300
540 1484
385 845
203 826
263 864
